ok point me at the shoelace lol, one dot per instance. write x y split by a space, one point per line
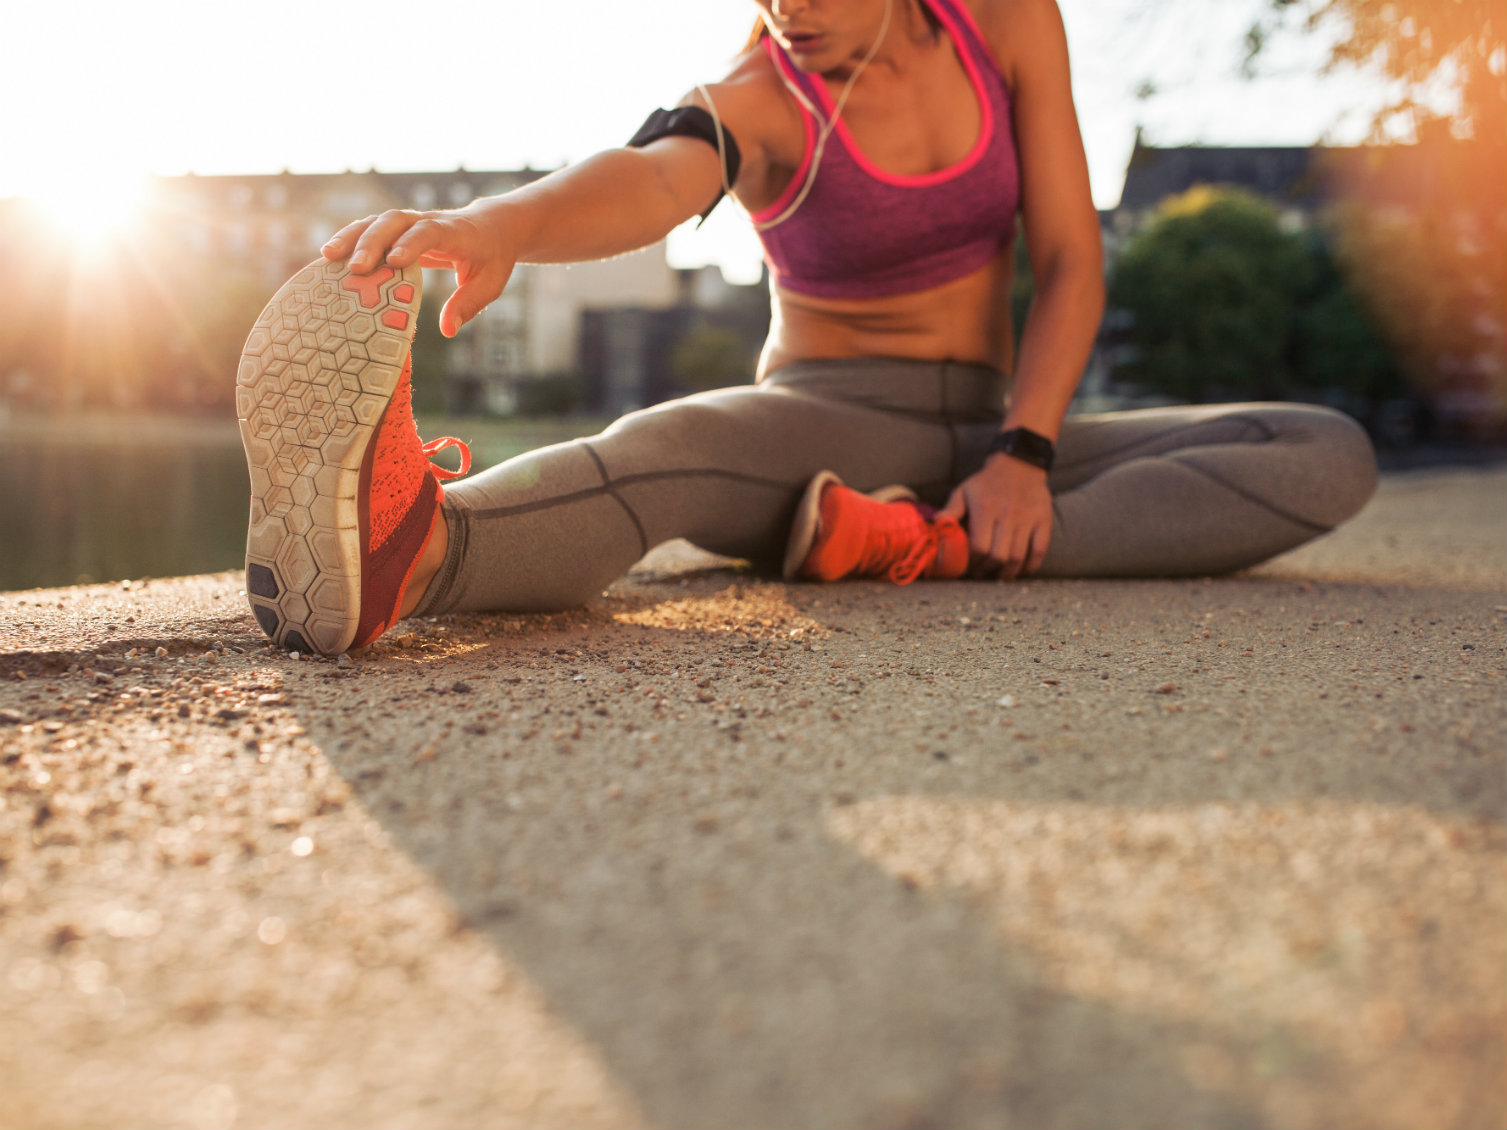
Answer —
919 552
435 446
922 553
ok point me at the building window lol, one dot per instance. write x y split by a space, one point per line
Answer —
424 196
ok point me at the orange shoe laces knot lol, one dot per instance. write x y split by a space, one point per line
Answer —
916 559
435 446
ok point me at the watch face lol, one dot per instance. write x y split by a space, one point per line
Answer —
1025 445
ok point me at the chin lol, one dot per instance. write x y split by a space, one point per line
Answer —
816 62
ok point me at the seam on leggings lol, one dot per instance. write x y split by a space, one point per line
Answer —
953 443
1249 497
607 483
1267 435
628 480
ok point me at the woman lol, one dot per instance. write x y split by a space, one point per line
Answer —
884 149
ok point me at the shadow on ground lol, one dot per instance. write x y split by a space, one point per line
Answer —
780 863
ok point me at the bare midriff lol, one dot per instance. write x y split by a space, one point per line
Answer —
964 320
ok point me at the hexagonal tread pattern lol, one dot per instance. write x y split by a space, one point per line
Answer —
317 373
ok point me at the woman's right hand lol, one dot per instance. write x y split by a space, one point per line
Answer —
464 240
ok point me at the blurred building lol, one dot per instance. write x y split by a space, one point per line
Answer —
272 225
535 334
634 356
1292 178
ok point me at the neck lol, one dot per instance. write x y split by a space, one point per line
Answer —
906 26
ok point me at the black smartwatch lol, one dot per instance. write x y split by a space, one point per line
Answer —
1025 445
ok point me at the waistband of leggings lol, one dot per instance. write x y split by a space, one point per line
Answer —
951 389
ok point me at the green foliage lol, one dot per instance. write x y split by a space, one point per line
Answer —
1335 345
553 394
1421 220
1213 285
710 357
1226 306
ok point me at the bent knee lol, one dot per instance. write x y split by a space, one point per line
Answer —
1343 463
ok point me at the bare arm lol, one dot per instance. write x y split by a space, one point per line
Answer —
1061 225
1007 504
606 205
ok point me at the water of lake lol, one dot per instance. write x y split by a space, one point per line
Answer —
110 498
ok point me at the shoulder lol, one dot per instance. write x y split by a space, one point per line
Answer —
1018 31
751 99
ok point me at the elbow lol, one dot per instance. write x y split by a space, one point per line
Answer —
1078 276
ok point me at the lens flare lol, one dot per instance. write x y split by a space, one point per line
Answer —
91 216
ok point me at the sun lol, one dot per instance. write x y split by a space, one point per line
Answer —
92 216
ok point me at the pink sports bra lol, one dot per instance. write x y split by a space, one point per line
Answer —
862 232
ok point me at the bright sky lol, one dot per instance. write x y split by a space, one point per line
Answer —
104 93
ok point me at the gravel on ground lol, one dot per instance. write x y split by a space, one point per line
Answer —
721 851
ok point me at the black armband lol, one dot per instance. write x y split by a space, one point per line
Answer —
692 121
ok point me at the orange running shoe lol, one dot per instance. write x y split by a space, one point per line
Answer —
839 533
344 498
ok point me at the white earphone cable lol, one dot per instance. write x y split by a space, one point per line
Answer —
828 125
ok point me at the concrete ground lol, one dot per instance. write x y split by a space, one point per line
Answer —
718 851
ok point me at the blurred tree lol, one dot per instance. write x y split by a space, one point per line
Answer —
1447 58
710 357
1334 345
1212 285
1421 218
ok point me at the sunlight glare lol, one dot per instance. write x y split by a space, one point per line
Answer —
88 215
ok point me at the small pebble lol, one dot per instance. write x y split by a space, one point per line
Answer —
10 718
1006 700
1166 688
461 688
103 677
161 653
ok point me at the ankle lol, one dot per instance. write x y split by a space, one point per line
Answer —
427 567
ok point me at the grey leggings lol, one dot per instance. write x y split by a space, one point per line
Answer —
1155 492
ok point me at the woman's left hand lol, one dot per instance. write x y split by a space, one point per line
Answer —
1008 512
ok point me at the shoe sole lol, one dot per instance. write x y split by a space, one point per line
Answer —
318 371
808 514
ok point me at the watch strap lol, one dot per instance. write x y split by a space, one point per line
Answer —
1025 445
